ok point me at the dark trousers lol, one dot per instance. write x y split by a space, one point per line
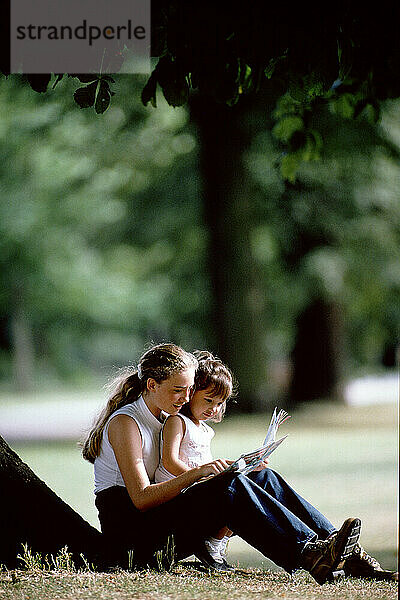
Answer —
261 508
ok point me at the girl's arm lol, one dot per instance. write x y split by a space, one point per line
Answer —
126 441
173 432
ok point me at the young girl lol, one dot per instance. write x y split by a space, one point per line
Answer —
140 516
186 438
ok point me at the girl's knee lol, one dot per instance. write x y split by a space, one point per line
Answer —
265 477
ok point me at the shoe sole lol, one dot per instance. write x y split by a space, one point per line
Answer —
229 567
347 538
213 567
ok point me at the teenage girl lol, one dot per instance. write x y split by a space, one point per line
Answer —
186 439
140 516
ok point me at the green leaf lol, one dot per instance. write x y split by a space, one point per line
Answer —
85 78
318 141
287 126
309 150
149 92
97 94
40 82
59 77
172 80
369 109
245 78
373 112
176 93
286 106
103 97
271 66
345 106
86 96
289 165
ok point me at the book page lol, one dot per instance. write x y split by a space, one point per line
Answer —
251 460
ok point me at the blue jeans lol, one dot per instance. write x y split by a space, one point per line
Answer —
267 513
261 508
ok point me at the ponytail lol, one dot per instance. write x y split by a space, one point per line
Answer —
158 363
127 388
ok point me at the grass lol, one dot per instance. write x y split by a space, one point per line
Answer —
184 583
343 459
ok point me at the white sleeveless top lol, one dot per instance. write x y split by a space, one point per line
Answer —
194 450
106 470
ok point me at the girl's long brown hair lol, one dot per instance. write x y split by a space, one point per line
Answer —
212 373
159 363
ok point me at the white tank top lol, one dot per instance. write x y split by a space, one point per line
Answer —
194 450
106 470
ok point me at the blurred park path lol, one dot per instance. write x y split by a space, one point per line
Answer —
49 415
67 415
373 389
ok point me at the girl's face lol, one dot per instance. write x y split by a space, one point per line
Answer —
204 406
171 394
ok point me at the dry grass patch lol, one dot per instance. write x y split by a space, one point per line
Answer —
184 583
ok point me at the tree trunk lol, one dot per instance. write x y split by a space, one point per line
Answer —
228 197
317 354
317 357
32 514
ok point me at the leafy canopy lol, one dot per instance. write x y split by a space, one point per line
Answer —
336 52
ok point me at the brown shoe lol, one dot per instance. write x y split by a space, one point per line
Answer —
323 558
361 564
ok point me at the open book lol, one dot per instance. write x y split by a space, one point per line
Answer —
248 462
251 460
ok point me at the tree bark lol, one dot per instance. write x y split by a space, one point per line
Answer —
228 198
31 513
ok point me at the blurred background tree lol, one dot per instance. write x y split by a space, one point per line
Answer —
97 233
149 224
340 262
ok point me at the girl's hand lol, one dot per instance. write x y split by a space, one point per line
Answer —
262 465
214 467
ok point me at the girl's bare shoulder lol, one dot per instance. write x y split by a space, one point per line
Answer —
175 423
